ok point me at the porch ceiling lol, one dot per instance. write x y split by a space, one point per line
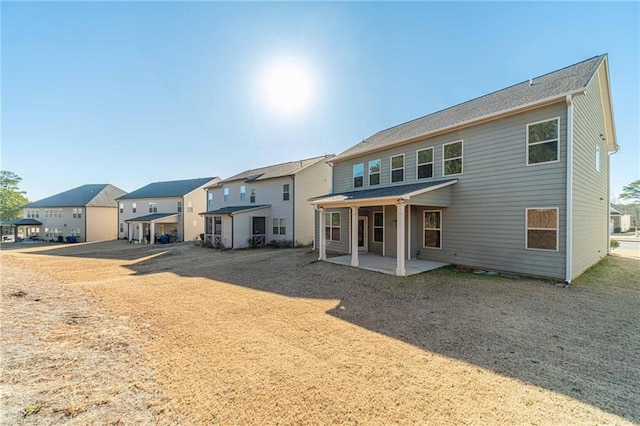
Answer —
382 196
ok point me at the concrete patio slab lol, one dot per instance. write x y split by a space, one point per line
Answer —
387 264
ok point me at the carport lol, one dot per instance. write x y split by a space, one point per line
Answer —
19 222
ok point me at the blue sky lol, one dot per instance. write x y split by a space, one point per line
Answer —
133 92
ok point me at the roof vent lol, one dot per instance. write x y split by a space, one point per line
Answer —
530 82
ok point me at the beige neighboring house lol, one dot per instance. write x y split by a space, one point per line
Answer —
83 214
164 211
619 222
265 205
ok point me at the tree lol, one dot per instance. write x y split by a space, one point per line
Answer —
631 191
11 198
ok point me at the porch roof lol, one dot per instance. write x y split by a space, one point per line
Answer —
154 217
21 222
382 194
231 210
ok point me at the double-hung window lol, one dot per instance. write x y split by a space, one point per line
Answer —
425 163
452 158
226 194
285 192
332 226
279 227
179 206
209 199
243 192
252 197
153 207
358 175
121 207
374 172
543 142
378 227
134 207
542 228
432 229
397 168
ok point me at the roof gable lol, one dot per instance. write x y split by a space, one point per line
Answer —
277 170
174 188
545 88
91 195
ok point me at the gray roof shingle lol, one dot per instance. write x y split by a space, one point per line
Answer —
174 188
384 191
277 170
91 195
555 84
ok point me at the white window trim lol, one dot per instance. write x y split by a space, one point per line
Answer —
461 141
328 225
374 227
526 228
353 175
392 169
541 142
433 160
379 173
433 229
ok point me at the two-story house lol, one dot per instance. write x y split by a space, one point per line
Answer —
86 213
516 180
267 204
164 211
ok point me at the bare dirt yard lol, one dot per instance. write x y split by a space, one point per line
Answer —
112 333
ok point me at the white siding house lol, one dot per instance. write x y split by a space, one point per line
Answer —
516 181
266 205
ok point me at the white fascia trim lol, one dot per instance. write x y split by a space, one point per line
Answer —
431 188
249 210
488 117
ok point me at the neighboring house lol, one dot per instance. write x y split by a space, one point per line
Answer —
88 213
267 204
619 222
516 180
164 211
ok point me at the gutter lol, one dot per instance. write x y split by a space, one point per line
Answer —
569 226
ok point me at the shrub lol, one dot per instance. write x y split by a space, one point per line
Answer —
614 244
617 230
282 243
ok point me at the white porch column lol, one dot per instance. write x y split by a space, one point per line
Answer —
400 270
139 233
129 232
322 238
354 237
152 238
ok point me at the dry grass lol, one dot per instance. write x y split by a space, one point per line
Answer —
273 337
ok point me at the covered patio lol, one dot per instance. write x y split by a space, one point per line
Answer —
24 222
146 229
435 193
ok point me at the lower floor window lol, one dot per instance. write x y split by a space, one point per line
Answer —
542 229
75 232
332 226
121 228
217 225
432 229
279 227
378 227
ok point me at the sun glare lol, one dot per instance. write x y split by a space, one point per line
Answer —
288 86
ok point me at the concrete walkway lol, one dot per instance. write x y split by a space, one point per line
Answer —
387 264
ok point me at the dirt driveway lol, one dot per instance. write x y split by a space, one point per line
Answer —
112 333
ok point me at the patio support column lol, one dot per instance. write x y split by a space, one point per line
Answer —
322 238
400 261
354 237
139 233
152 238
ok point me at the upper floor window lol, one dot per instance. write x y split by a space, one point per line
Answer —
358 175
452 158
252 197
179 206
542 142
77 213
121 207
209 199
285 192
189 207
397 168
597 157
153 207
226 194
374 172
134 207
425 163
243 192
542 228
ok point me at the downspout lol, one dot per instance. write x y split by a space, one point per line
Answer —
231 216
86 230
569 226
293 191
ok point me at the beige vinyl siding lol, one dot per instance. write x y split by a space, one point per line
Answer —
485 224
310 182
193 223
590 199
101 223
